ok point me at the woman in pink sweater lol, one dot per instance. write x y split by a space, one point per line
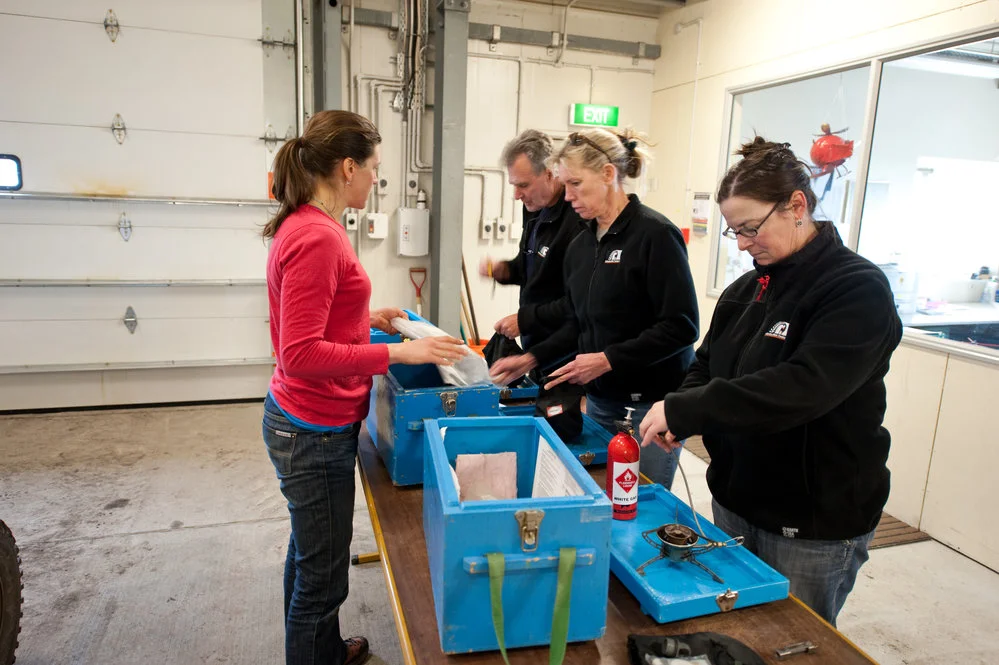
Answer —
319 319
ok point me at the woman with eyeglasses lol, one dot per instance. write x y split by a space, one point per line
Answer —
788 385
630 311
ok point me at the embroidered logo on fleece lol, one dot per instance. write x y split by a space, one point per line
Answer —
543 252
789 531
614 257
779 330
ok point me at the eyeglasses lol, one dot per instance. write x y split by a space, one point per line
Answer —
578 139
729 232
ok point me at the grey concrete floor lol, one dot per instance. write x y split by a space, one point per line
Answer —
158 536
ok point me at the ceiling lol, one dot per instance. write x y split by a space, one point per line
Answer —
647 8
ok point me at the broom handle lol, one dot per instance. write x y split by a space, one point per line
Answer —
471 305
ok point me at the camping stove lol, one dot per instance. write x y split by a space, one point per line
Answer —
679 543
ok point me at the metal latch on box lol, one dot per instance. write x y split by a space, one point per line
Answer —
449 401
530 524
726 601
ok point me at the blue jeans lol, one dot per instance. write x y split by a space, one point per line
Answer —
657 464
822 572
316 470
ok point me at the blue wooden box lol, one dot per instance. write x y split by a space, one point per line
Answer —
402 399
527 390
591 445
460 534
670 591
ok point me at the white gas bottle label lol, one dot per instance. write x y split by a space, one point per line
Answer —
625 483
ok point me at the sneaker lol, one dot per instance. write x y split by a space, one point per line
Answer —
357 650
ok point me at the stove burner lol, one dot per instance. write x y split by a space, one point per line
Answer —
678 543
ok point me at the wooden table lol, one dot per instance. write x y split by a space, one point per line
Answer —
397 518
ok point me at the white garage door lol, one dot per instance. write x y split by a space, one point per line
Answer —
157 293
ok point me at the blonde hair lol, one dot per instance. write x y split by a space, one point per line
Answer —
592 148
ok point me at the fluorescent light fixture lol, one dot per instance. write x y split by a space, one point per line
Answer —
946 64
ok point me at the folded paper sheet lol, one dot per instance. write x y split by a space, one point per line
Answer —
487 477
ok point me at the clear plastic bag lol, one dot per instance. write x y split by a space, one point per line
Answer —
471 370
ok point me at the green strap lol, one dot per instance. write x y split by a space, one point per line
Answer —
497 568
563 593
560 615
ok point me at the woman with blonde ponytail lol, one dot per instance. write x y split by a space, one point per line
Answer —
630 313
319 319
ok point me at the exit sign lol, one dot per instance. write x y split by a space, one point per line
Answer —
592 115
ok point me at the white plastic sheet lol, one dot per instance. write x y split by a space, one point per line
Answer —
471 370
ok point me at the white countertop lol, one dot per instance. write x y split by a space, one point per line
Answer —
955 314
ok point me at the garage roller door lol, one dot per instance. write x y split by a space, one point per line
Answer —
131 263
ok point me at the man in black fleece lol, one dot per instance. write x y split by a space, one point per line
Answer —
788 385
550 224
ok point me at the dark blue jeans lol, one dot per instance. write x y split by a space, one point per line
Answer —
316 470
822 572
657 464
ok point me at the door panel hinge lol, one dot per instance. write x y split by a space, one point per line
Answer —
125 227
118 128
130 319
111 25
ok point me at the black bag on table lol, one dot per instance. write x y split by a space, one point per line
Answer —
560 406
501 346
719 649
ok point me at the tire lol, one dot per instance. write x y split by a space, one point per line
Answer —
10 595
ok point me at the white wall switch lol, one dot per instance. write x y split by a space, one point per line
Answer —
377 225
486 230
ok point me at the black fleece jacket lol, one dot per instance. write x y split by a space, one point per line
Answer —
537 268
631 296
788 391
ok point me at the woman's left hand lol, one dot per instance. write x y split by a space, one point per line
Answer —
582 370
382 319
654 429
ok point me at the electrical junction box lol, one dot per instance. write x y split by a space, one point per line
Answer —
377 225
413 225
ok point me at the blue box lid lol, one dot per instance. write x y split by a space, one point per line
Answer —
673 590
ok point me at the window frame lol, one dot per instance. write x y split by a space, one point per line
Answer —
876 63
20 174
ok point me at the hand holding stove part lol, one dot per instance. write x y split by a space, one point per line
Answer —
654 429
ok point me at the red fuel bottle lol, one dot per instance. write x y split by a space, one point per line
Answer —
622 470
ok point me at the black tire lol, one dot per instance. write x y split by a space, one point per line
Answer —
10 595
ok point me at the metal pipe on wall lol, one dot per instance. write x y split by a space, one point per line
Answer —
299 68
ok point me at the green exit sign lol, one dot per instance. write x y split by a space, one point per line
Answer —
593 115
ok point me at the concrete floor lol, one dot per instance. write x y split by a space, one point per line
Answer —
158 536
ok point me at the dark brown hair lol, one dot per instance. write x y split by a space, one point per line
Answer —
330 137
768 172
